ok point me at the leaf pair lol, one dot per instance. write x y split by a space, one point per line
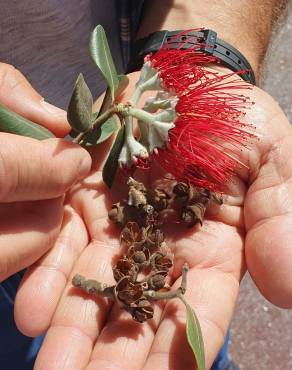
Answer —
101 55
80 114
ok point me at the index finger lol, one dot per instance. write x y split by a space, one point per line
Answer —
34 170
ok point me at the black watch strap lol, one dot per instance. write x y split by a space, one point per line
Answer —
209 43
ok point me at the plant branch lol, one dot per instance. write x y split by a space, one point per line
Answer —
93 287
99 121
154 295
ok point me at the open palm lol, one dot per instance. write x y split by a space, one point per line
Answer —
251 230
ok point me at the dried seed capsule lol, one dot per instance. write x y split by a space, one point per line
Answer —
131 233
117 214
152 236
160 262
137 193
136 184
127 291
136 198
123 268
143 311
157 280
138 253
181 189
193 214
158 198
139 257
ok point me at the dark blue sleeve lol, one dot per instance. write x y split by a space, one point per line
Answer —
17 352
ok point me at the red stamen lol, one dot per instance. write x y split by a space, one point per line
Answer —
204 144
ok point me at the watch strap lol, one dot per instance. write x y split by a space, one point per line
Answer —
207 41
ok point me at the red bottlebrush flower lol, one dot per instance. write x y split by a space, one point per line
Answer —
202 148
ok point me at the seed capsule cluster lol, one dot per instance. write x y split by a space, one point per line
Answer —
141 273
146 264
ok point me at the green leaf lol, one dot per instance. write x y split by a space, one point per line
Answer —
111 164
107 101
103 132
79 113
101 55
194 336
13 123
123 84
107 129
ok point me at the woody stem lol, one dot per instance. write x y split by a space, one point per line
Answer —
99 121
153 295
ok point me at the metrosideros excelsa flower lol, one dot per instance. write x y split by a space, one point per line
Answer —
193 126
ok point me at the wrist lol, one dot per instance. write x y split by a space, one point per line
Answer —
237 23
203 40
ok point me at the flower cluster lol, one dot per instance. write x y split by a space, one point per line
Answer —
194 126
203 146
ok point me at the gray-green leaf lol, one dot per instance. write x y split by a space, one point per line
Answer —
104 131
194 336
79 112
111 164
107 129
13 123
101 55
123 84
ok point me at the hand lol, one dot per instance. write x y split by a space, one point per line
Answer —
251 230
34 176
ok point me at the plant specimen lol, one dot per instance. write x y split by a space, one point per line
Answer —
191 127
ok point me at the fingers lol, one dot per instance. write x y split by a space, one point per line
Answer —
32 170
124 343
27 231
213 287
212 296
78 319
268 207
44 282
18 95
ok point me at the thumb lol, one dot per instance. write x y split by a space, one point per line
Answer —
17 94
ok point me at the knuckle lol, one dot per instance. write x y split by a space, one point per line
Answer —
9 172
6 71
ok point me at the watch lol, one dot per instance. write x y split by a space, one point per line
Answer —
209 44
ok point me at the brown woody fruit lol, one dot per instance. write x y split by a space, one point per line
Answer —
127 291
117 214
192 202
193 214
123 268
160 262
131 233
158 198
152 237
138 254
156 281
142 311
181 189
137 193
